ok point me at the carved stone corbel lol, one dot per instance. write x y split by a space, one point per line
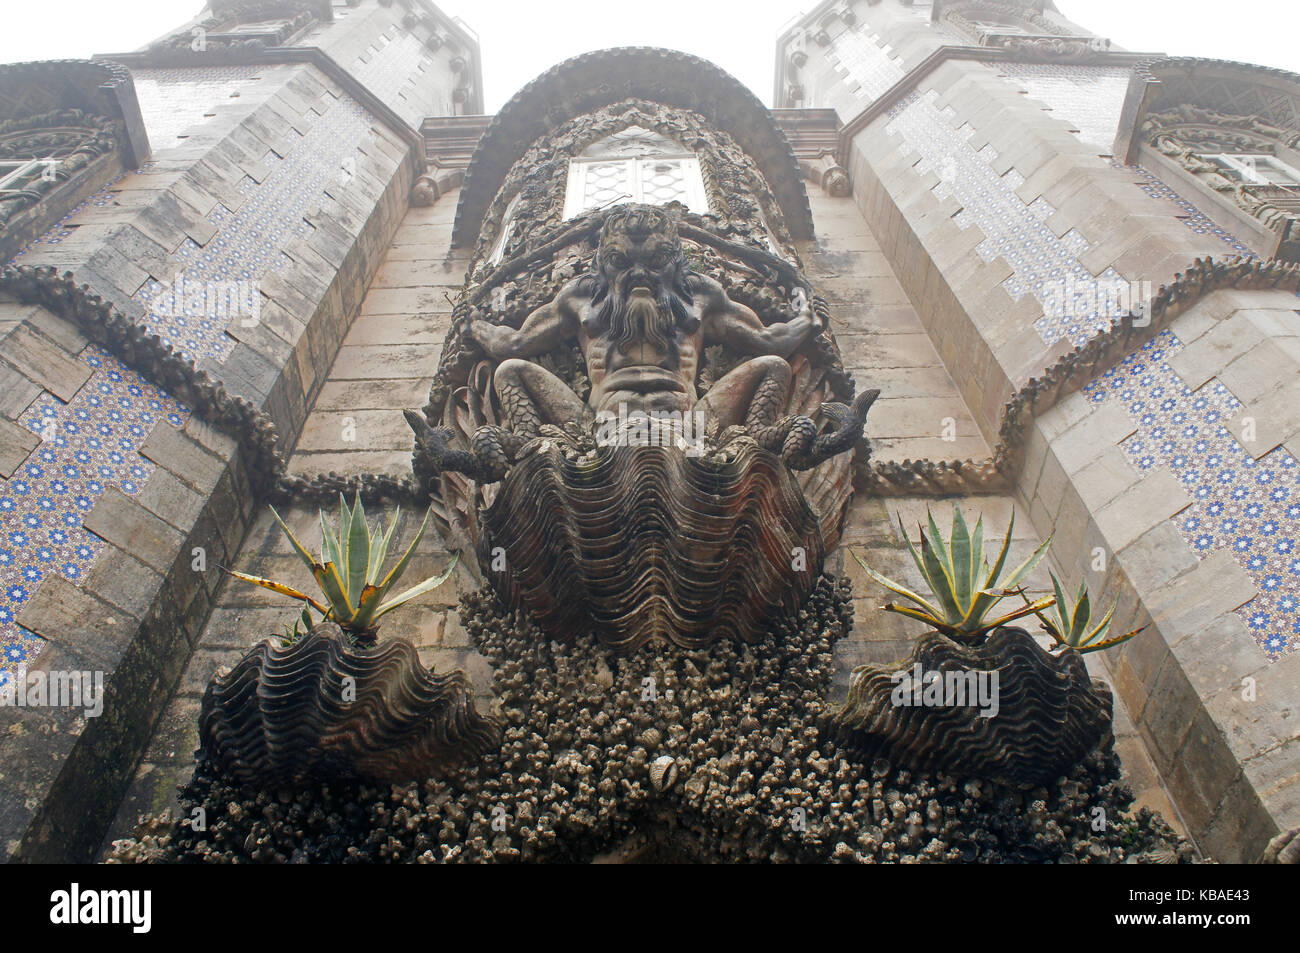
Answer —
425 191
798 52
829 174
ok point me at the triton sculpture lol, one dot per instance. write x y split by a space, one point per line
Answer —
642 318
642 429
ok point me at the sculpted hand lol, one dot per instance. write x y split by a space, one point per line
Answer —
485 335
805 323
806 312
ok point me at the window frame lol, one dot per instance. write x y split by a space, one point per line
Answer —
696 198
509 219
1248 172
22 173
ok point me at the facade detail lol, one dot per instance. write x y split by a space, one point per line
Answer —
665 400
1240 157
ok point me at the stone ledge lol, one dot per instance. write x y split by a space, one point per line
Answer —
135 623
1182 677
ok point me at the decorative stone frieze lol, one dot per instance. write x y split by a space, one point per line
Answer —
584 84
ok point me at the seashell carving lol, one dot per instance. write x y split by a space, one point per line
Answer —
663 772
1160 854
282 715
645 542
1049 712
1283 849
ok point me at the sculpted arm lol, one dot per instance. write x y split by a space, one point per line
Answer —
541 331
732 323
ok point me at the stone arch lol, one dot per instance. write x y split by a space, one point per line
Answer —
1208 123
593 80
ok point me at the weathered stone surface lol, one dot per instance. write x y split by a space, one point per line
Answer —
16 443
127 524
171 448
43 361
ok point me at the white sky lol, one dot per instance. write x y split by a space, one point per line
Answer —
521 38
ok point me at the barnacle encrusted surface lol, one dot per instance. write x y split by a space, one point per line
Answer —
1050 712
322 708
757 777
643 542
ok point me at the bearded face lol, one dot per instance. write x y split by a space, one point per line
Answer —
640 290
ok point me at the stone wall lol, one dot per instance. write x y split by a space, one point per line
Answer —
384 365
990 206
292 194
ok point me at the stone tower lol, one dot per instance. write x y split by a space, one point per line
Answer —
235 256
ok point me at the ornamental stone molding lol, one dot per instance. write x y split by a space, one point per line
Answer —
734 186
289 18
968 18
76 123
587 82
1051 48
1180 112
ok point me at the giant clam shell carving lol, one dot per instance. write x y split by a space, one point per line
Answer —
1049 712
282 714
645 542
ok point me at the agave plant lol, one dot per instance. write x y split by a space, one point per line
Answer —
1073 628
300 627
965 587
348 573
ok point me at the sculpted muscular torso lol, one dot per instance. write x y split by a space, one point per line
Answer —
641 319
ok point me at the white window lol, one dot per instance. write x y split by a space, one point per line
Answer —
17 176
994 27
1257 168
635 165
255 27
508 223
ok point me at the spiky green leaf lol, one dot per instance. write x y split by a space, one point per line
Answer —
898 588
433 582
274 586
396 572
358 552
961 558
379 552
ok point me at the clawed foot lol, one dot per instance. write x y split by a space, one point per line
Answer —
795 437
485 463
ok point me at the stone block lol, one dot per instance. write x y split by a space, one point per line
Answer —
167 497
67 615
1156 497
126 524
41 360
1209 354
1216 585
16 444
185 458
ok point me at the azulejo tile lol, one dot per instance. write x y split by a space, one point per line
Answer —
87 445
219 281
1250 507
1088 97
92 442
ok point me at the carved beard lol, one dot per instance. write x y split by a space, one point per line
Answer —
631 318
